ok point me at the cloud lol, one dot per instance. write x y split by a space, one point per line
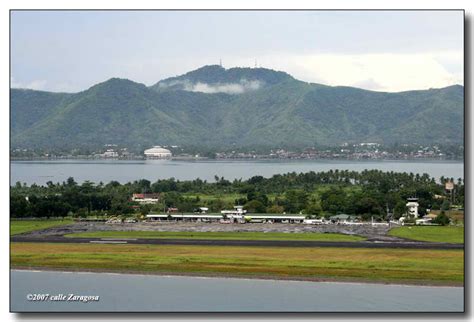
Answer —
43 85
227 88
391 72
39 84
368 83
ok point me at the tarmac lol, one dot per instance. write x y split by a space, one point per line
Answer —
259 243
376 236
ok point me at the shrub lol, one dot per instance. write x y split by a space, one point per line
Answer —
442 219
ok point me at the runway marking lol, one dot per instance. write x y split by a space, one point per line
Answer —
243 243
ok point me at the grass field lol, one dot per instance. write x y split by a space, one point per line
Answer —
219 235
23 226
443 267
228 197
231 197
446 234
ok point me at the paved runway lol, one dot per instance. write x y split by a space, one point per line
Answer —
264 243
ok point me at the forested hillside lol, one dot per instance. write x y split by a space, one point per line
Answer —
243 107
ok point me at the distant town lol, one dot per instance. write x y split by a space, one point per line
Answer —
346 151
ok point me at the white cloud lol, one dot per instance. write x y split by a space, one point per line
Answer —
391 72
228 88
383 72
43 85
369 83
39 84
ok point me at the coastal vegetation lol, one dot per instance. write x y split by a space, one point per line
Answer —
368 194
441 267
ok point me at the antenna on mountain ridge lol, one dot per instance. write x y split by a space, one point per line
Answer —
220 62
256 63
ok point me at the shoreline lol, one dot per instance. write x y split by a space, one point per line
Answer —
362 281
203 159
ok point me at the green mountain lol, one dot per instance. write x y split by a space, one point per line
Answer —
225 80
241 107
29 107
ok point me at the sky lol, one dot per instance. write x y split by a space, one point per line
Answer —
70 51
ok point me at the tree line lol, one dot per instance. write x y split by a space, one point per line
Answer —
370 193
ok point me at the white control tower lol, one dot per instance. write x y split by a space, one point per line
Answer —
412 206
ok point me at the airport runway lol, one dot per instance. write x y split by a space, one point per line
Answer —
261 243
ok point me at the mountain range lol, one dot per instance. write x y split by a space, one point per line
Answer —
215 107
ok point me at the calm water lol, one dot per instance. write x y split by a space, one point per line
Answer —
41 172
122 292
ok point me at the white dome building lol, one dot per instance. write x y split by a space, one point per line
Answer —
157 152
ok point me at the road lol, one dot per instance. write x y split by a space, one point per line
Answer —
261 243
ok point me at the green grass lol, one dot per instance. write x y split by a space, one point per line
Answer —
410 266
231 197
226 197
219 235
23 226
446 234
